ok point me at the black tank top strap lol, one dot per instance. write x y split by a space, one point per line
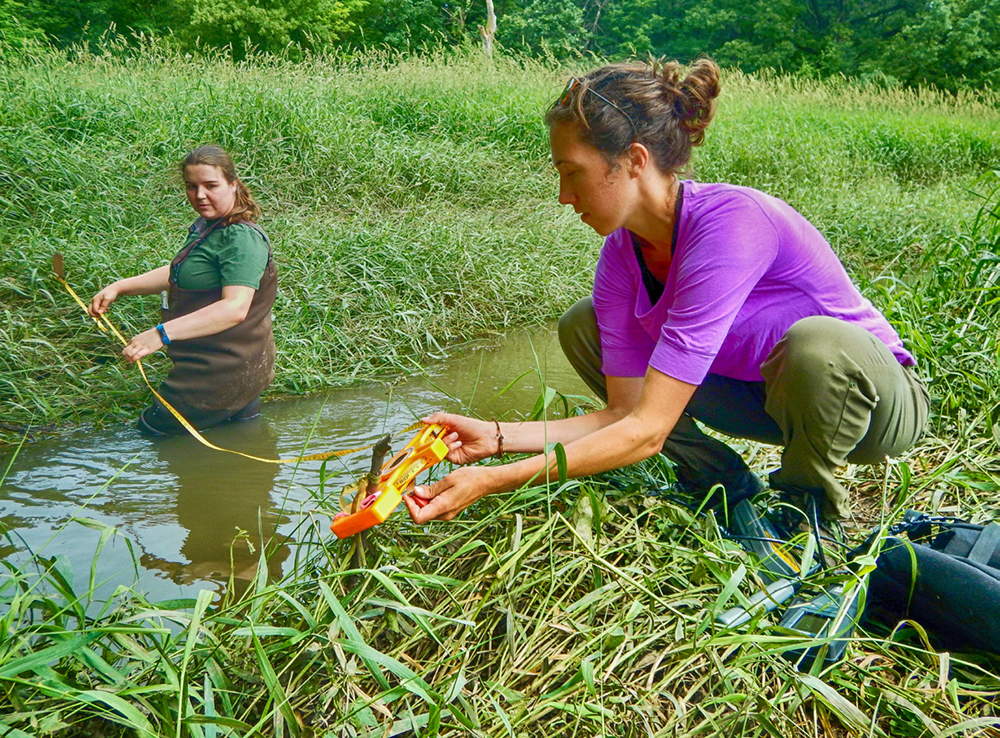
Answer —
654 287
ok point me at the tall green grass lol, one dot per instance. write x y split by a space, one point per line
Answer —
410 201
582 608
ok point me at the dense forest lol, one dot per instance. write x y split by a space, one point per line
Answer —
950 44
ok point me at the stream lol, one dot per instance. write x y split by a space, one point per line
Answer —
163 514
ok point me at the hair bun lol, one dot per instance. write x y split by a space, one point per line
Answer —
696 98
669 75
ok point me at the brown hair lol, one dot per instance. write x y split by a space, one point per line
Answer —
245 208
648 103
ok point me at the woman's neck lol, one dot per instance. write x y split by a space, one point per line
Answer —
653 219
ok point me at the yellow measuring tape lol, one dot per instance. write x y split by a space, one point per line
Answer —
104 324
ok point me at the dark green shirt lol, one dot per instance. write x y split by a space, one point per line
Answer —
235 255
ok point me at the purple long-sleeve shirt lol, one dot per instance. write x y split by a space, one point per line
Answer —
745 267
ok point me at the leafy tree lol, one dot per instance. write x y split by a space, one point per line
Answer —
409 24
634 28
16 31
72 21
952 44
268 25
949 43
752 34
543 26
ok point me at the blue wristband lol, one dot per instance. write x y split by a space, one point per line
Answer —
163 334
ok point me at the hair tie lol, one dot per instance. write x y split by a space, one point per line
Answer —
499 452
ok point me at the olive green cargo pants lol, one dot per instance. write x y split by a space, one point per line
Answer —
832 394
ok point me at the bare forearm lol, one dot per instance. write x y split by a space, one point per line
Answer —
535 435
623 442
148 283
595 443
626 439
207 321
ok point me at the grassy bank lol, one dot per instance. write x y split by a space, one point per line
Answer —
578 609
410 202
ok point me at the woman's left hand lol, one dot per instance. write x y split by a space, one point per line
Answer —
452 494
142 345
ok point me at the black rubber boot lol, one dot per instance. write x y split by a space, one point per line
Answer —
728 491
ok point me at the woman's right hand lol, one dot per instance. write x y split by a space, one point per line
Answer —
469 439
100 302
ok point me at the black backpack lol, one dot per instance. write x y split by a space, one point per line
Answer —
945 575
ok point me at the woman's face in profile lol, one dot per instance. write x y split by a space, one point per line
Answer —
595 190
208 191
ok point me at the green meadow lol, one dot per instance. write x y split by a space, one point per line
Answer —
412 208
410 202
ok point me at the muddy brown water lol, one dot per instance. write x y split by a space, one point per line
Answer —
170 509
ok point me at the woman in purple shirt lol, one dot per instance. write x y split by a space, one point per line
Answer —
712 303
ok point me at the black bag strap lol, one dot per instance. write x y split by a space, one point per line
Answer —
986 543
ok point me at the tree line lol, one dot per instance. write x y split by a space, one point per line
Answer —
950 44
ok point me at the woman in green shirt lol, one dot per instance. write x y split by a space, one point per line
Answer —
216 322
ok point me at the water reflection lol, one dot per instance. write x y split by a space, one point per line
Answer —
223 502
176 506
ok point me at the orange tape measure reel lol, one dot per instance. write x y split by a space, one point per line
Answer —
425 450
